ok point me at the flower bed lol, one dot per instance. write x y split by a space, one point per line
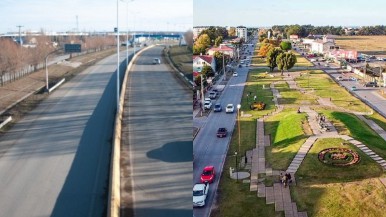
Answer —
339 156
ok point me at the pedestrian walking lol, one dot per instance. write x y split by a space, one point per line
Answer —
288 177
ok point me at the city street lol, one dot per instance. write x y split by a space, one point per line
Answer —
207 148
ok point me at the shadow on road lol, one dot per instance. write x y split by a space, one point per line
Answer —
179 151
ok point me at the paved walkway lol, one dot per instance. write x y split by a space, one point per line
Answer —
321 128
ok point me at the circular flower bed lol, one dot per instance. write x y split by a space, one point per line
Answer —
339 156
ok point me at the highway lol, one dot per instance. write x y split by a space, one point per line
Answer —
157 134
55 161
210 150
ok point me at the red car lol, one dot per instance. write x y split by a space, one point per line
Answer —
208 174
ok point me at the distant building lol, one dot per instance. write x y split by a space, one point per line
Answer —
222 49
197 30
294 37
199 61
241 32
318 46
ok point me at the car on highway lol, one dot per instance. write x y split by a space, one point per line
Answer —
156 61
339 78
222 132
371 84
351 78
353 88
235 74
200 191
208 104
230 108
212 94
217 107
208 174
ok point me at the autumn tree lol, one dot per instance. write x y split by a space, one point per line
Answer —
207 71
218 41
285 61
202 43
264 48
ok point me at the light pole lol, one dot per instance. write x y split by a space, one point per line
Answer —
238 120
117 56
127 32
236 168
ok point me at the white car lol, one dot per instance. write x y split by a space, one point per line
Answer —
230 108
235 74
200 191
208 104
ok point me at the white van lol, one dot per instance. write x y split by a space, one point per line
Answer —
156 61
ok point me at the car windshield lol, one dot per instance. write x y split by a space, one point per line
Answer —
198 193
206 173
217 105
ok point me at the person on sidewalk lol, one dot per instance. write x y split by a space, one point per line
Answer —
284 180
288 177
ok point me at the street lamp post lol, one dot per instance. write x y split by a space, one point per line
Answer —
236 168
238 120
127 32
117 56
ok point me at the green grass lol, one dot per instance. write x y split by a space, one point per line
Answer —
182 59
257 61
378 119
301 61
286 137
294 97
356 128
325 87
325 190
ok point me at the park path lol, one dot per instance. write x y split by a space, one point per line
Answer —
321 128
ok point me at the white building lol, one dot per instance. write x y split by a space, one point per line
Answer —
241 32
322 47
199 61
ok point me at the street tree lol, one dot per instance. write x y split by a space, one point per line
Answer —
207 71
219 59
218 41
285 61
264 48
271 58
202 43
285 45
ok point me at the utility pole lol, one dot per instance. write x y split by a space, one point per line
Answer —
20 34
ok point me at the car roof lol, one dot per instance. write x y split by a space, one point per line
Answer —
209 168
229 105
198 187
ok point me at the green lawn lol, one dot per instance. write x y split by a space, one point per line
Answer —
325 190
287 136
351 125
325 87
257 61
291 97
301 61
182 59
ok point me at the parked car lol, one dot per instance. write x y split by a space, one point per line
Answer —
222 132
235 74
217 107
208 174
212 94
230 108
371 84
353 78
353 88
200 191
208 104
339 78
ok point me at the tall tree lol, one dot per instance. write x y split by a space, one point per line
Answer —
285 61
271 58
202 43
218 41
219 59
264 48
285 45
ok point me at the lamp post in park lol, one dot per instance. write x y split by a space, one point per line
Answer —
236 168
238 124
127 30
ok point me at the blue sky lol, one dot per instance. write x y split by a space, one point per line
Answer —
95 15
282 12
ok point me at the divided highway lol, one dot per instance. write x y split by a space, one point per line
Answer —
157 123
55 161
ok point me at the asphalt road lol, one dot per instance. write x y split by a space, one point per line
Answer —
210 150
55 161
158 124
